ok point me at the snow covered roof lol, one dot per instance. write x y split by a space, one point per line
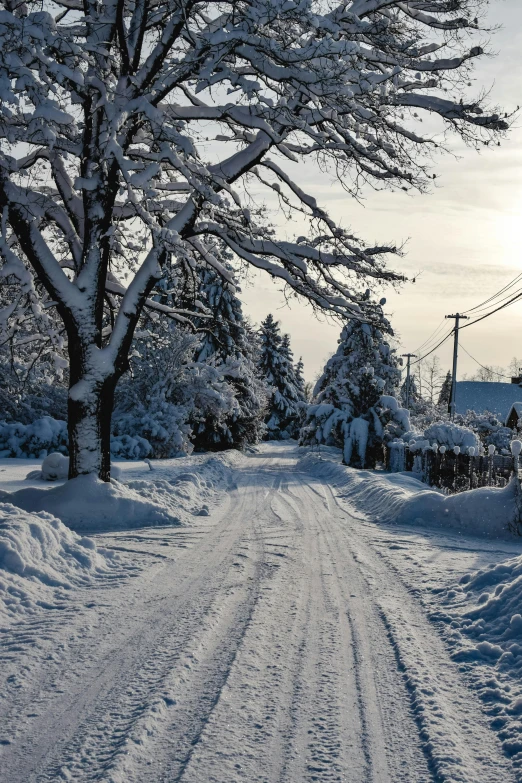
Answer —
480 396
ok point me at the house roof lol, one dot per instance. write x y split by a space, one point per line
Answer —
480 396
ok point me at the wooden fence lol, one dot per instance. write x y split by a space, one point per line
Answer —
453 472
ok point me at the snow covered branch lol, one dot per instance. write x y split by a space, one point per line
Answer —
108 108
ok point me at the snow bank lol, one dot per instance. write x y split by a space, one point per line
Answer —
403 498
41 560
172 493
86 503
483 616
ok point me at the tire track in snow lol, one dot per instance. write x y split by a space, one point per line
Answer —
244 737
458 744
180 681
379 741
72 729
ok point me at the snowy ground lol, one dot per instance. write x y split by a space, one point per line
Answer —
287 636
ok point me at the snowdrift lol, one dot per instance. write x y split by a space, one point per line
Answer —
86 503
171 493
403 498
483 616
41 560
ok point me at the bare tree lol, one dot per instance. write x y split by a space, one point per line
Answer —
130 131
490 373
433 378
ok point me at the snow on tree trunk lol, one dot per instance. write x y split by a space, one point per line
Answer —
92 385
90 410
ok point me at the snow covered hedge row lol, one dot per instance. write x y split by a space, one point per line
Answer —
46 435
33 440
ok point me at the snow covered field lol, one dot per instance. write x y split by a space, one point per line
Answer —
290 626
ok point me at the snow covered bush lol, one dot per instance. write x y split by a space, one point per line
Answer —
55 467
286 401
489 429
168 394
130 447
33 440
450 435
351 409
106 173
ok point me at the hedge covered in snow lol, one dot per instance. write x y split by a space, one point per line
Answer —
47 435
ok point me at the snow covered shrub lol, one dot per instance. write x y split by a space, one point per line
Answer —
130 447
489 429
286 403
33 440
354 398
243 424
55 466
169 394
450 435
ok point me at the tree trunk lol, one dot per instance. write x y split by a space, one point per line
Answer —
90 410
91 399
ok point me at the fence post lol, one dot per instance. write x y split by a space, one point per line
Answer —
456 451
435 464
471 452
491 453
516 448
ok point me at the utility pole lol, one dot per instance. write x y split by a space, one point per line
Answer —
409 357
453 398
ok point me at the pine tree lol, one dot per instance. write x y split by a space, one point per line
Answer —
412 396
231 346
354 398
445 391
299 378
287 399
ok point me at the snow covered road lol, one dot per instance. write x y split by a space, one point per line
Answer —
272 642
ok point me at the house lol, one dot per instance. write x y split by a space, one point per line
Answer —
482 396
514 416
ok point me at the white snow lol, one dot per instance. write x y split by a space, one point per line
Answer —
401 498
483 610
481 396
41 560
55 466
283 637
169 495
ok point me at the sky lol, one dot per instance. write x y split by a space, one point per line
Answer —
463 239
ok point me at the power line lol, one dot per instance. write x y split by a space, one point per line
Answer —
509 296
431 337
434 349
514 299
491 298
481 365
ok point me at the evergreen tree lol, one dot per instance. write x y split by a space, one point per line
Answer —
169 392
354 398
230 345
412 396
286 403
445 391
299 378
